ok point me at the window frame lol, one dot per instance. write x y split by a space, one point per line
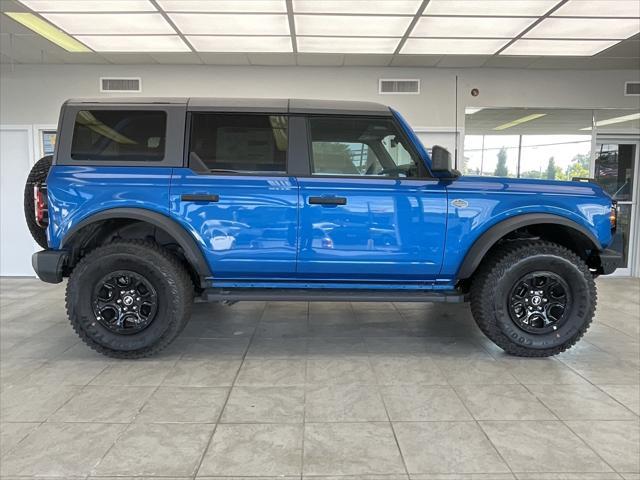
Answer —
423 172
188 134
174 135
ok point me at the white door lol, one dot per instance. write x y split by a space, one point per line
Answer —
16 244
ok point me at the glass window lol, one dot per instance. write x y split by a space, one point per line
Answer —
119 135
614 169
239 143
360 147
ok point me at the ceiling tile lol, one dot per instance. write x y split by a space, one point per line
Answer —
353 59
176 58
557 47
90 6
351 25
129 58
254 6
599 8
136 43
224 58
272 59
110 23
463 61
378 7
503 61
230 24
626 48
490 7
346 45
208 43
320 59
489 27
452 46
415 60
583 28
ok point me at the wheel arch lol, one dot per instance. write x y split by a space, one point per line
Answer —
92 224
543 225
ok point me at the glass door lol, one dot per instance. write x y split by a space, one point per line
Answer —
616 170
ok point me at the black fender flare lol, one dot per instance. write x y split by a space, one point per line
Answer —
192 251
489 238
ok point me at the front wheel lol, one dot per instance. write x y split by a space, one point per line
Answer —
129 299
533 299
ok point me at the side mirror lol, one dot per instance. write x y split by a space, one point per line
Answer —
440 160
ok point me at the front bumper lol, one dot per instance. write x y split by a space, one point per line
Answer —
612 257
49 265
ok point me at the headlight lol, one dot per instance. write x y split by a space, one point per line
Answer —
613 216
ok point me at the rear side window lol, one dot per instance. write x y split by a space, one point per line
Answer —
239 143
119 135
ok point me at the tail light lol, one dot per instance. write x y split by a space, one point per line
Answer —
41 210
613 216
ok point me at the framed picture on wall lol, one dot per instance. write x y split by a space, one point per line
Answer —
48 141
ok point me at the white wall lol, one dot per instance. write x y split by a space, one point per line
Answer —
31 94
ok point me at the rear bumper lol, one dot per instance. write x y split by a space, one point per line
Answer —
49 265
612 257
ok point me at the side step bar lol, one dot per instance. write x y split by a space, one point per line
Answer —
326 295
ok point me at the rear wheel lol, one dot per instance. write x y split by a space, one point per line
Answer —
533 299
37 176
129 299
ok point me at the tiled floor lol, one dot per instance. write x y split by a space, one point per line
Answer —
342 391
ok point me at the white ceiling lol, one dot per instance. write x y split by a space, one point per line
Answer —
579 34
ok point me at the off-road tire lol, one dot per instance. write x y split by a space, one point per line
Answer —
497 276
165 273
38 174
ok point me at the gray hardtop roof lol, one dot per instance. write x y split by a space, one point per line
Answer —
262 105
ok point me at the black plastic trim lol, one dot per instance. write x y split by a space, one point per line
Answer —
191 249
612 257
49 265
489 238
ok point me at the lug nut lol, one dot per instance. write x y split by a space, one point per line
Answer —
138 299
125 309
118 301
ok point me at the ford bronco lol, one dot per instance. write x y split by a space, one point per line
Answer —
148 204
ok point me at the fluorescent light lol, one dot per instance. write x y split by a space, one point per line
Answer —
452 46
205 43
576 48
351 25
519 121
231 24
48 31
379 7
490 8
135 43
110 23
346 45
472 110
591 28
599 8
470 27
88 6
254 6
611 121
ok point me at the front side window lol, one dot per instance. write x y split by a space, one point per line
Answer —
360 147
119 135
239 143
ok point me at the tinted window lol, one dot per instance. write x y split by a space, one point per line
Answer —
360 146
239 143
121 135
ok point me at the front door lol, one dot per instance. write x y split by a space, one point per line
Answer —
616 170
369 213
236 196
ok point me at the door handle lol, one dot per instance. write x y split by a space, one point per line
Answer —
190 197
328 201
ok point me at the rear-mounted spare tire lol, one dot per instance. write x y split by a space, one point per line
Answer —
37 178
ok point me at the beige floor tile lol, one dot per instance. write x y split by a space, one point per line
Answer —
334 370
219 372
344 403
503 402
272 372
12 433
422 403
33 403
183 404
628 395
264 405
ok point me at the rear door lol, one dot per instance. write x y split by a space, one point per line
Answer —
369 210
236 196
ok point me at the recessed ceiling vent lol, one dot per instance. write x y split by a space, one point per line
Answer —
399 86
632 89
120 85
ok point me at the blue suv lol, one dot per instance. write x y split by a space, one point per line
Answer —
151 203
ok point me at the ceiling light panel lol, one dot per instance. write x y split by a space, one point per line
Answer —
519 121
490 8
452 46
599 8
558 47
251 6
595 28
89 6
110 23
378 7
470 27
207 43
48 31
351 25
346 45
136 43
231 24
